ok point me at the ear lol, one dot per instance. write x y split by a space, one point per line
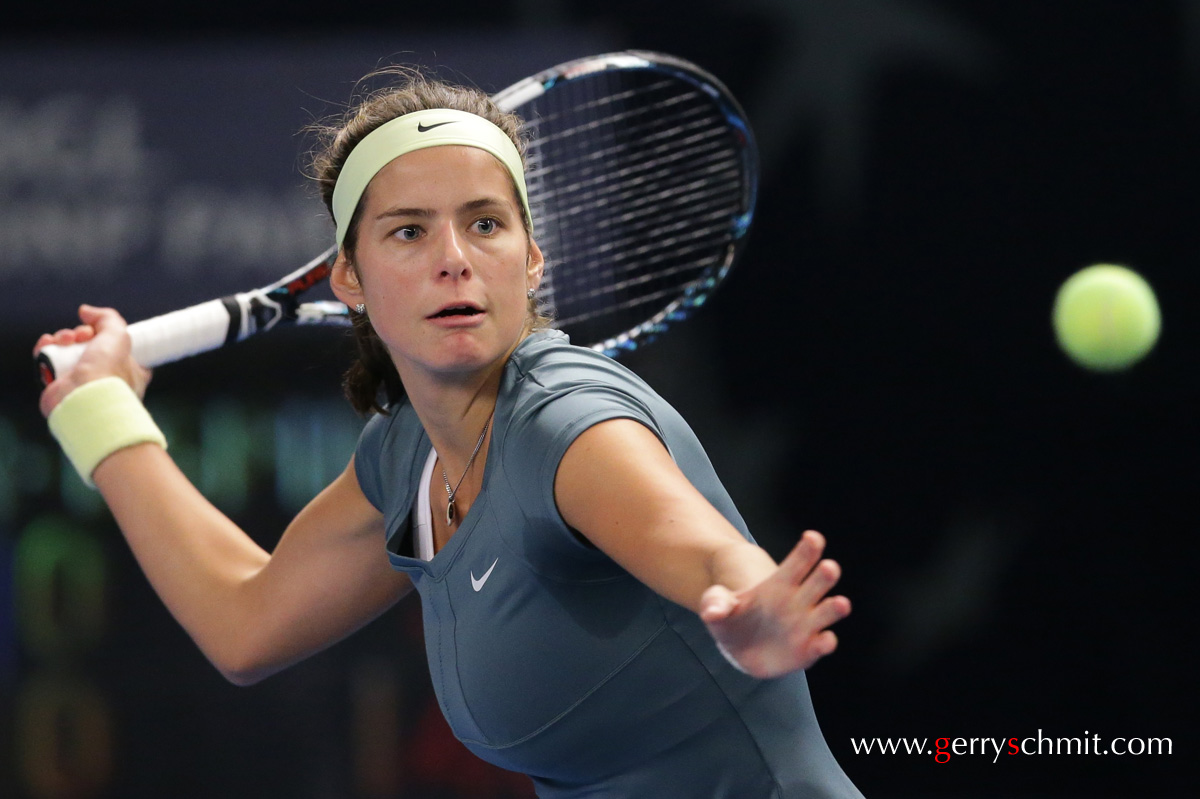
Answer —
343 279
535 266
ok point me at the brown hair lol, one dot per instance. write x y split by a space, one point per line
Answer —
372 381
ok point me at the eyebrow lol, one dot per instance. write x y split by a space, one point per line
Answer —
424 213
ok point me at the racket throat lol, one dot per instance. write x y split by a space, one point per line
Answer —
254 312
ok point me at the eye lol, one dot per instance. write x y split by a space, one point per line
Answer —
487 226
408 233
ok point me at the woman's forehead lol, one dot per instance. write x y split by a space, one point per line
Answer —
441 169
441 180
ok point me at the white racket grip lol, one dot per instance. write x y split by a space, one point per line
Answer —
180 334
158 340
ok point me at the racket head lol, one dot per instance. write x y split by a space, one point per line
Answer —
643 179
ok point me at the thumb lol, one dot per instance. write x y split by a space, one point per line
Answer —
717 603
99 317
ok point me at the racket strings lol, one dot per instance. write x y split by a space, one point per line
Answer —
630 197
582 142
607 162
678 246
595 107
705 217
627 181
645 129
667 196
697 195
664 265
638 183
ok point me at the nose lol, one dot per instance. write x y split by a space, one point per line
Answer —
452 261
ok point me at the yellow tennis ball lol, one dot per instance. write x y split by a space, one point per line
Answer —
1106 317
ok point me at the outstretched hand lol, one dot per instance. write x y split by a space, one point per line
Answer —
107 353
779 625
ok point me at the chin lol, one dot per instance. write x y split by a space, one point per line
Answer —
463 353
470 357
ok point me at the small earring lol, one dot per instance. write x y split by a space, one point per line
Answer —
360 308
529 294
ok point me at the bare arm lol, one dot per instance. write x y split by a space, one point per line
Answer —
252 613
618 486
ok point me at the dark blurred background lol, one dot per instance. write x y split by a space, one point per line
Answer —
1016 533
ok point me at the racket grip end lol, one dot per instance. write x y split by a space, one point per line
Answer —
54 360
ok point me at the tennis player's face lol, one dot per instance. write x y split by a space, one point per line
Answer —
444 262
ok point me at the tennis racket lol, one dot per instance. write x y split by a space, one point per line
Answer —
642 177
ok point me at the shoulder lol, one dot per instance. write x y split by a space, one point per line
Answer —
547 364
553 391
386 450
384 430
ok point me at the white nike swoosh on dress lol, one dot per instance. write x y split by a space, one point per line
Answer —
478 584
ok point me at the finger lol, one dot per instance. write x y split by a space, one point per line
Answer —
822 645
100 318
800 561
63 336
830 611
717 604
818 582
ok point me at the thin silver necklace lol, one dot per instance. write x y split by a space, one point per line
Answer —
452 492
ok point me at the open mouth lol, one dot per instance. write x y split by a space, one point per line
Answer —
457 310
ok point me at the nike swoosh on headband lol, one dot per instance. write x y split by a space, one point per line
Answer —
421 128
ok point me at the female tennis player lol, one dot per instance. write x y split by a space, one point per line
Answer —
597 615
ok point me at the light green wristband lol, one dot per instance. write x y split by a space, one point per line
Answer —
99 418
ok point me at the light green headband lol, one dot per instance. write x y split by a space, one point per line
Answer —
434 127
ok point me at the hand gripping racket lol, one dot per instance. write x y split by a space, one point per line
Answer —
642 177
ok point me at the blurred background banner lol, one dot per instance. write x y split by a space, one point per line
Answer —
1016 533
150 175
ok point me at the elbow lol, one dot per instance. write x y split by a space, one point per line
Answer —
243 668
246 675
242 678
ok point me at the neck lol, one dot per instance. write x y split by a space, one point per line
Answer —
454 408
453 414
